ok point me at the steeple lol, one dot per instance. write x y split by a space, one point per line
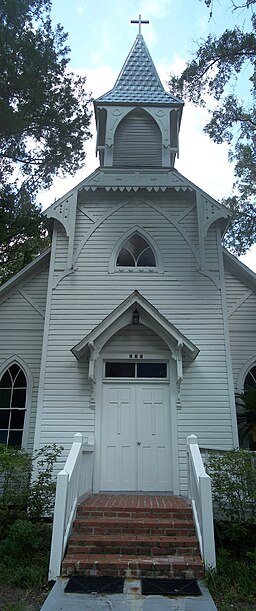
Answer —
138 81
138 121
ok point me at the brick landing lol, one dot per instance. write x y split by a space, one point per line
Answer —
133 535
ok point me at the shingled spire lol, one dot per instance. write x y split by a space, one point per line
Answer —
138 121
138 81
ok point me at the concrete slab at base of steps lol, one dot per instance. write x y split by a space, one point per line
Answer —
130 600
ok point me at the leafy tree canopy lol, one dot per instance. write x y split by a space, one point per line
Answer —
44 122
213 71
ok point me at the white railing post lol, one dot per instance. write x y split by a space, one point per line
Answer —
199 491
58 525
207 521
191 440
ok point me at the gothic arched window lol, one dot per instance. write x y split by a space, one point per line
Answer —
250 379
13 392
246 412
136 252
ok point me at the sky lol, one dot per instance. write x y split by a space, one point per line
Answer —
100 38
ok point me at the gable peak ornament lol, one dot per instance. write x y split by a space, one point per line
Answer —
140 22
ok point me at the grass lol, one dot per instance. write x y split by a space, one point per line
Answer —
232 584
18 599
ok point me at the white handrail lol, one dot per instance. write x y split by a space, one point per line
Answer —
71 484
199 489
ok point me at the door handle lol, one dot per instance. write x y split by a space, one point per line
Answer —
139 443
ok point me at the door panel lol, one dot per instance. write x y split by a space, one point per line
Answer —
135 438
118 468
154 434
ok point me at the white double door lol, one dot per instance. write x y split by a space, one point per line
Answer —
135 438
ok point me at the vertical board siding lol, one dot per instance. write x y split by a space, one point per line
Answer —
242 324
21 332
185 297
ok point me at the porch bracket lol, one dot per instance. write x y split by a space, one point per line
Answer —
93 355
178 357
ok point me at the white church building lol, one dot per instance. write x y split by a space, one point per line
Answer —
136 328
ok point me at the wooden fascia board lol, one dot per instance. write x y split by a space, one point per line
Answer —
135 299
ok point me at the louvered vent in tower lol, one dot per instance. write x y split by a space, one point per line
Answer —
137 141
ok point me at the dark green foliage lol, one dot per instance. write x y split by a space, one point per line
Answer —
214 71
26 504
234 485
22 231
232 584
15 474
24 554
44 122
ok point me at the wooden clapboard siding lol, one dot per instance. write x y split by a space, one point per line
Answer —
36 289
188 299
242 323
21 329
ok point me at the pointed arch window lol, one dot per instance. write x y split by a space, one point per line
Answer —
246 417
136 252
13 394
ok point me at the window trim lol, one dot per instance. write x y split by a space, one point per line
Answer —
243 373
158 268
147 359
16 360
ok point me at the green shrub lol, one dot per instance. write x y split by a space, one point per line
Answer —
15 474
42 487
26 482
27 491
233 477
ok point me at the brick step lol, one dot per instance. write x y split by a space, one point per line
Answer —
137 512
148 526
183 567
135 544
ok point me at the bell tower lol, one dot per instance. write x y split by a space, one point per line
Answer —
137 121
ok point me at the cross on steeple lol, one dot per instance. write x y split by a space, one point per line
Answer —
140 22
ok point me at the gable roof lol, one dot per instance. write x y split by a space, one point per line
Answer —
138 81
149 316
